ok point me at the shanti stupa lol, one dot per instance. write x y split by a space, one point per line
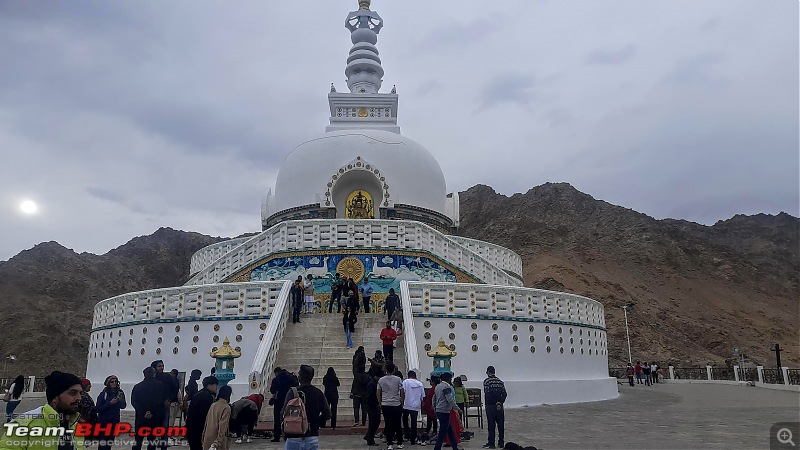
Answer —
365 201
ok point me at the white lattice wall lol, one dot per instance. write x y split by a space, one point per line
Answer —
207 255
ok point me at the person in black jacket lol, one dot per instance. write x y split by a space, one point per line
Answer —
352 306
148 398
331 383
373 408
281 384
316 410
336 294
191 386
296 297
198 410
109 404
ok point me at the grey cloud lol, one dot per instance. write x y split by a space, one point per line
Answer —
620 56
507 88
698 70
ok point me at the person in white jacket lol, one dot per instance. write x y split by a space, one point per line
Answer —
413 394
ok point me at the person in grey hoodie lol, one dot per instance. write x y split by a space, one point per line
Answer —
444 401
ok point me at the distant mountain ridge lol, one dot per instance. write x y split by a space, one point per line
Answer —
699 291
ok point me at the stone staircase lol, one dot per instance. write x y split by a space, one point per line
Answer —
319 341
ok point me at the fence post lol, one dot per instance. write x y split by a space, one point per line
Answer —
736 373
708 372
32 381
760 370
785 372
671 372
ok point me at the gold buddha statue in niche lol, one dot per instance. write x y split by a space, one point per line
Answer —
359 205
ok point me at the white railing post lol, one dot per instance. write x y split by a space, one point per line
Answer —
736 373
671 372
785 373
760 370
31 382
409 336
708 372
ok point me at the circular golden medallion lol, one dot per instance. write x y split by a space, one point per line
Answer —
351 267
362 112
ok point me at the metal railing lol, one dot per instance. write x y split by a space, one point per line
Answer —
793 375
723 373
748 374
690 373
772 376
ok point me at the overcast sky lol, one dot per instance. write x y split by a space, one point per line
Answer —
118 118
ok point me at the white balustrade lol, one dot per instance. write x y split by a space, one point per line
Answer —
481 300
207 255
212 300
498 255
409 334
352 234
267 353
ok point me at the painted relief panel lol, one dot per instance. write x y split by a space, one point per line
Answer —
384 271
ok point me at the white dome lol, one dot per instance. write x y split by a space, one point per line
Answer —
412 174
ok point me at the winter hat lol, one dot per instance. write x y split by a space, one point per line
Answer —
58 382
108 380
85 383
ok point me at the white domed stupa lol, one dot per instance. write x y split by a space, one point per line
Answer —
364 202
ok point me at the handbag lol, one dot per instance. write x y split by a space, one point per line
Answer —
7 397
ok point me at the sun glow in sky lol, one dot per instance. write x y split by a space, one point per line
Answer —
28 207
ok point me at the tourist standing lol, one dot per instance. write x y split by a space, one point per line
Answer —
494 393
296 294
308 293
336 293
413 394
376 363
63 397
654 372
443 402
366 293
359 360
170 386
109 404
282 382
427 408
317 411
388 335
348 328
198 411
244 417
391 402
215 430
373 407
629 372
461 394
646 372
148 397
88 415
392 302
358 392
191 388
14 396
638 371
331 383
175 402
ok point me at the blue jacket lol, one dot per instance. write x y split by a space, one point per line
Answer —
366 290
106 412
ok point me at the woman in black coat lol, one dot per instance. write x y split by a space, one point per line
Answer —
331 383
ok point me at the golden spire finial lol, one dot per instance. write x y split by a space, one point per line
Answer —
442 350
364 4
226 351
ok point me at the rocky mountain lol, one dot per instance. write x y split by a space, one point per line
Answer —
699 291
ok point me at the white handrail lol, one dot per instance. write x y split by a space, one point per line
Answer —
210 253
267 353
409 336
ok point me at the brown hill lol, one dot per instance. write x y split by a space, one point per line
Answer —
699 291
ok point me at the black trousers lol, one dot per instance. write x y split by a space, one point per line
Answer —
366 304
374 423
243 424
410 432
333 404
360 403
296 312
276 420
495 417
392 427
388 352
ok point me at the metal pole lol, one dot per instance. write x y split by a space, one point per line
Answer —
627 334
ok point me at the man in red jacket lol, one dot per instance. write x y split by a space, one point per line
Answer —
388 335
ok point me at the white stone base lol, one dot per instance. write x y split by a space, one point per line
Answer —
531 393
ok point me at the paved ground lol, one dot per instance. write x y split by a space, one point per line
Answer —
662 416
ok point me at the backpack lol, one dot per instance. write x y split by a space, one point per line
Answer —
295 420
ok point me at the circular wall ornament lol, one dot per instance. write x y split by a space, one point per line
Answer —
427 324
494 326
159 340
175 350
351 267
144 340
216 339
196 328
515 338
177 339
452 336
474 337
239 327
530 328
158 351
238 338
141 351
514 327
495 337
452 347
474 348
160 330
129 352
194 350
561 349
261 337
263 326
495 348
547 339
547 328
216 327
533 349
177 328
196 339
548 349
516 349
559 330
532 338
451 324
474 326
427 335
427 347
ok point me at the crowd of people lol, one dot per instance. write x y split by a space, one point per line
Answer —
647 374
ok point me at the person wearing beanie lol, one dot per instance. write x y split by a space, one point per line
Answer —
198 410
109 404
215 430
147 398
87 403
63 395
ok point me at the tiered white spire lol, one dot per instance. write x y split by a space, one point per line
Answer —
363 107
